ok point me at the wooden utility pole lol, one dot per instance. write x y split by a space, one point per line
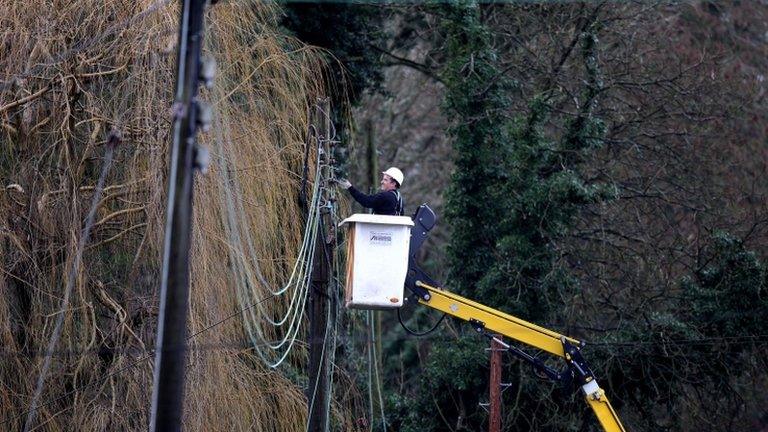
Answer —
494 387
185 157
321 300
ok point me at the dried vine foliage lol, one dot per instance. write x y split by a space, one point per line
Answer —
70 72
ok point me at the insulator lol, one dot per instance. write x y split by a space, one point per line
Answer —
202 158
204 116
207 71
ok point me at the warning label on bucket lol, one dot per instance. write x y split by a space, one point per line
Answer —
380 238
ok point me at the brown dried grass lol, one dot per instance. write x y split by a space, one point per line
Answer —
69 72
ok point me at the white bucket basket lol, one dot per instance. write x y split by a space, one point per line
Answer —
377 260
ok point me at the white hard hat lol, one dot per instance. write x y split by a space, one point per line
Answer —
395 174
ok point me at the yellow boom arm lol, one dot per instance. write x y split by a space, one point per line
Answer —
512 327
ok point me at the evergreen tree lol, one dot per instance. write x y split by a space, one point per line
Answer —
514 193
708 340
347 31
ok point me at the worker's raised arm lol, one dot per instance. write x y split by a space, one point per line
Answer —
367 201
388 201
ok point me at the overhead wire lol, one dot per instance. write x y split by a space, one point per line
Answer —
757 340
323 352
376 368
248 276
735 340
371 349
374 379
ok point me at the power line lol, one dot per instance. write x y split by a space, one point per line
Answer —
730 340
733 340
247 274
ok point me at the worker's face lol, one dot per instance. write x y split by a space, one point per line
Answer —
388 183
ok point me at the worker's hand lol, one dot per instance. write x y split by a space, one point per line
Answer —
344 183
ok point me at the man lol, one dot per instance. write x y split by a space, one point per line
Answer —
388 201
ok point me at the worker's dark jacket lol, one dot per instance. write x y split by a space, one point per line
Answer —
382 203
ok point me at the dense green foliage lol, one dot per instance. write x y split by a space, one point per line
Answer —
514 190
453 369
706 341
728 296
476 98
513 194
347 31
579 199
